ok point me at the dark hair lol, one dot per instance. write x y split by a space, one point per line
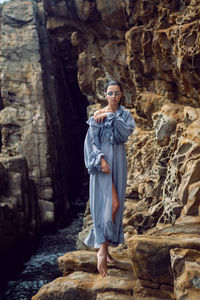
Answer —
114 82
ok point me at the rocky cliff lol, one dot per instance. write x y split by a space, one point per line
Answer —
152 48
42 121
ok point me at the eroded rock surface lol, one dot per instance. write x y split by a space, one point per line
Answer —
82 280
35 112
185 266
152 48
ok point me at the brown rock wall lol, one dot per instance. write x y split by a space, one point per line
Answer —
23 117
23 132
185 264
39 116
152 48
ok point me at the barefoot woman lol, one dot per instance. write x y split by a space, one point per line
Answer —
105 158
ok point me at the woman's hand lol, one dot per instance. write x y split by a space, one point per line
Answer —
100 115
105 168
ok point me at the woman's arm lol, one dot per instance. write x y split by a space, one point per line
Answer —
92 152
93 156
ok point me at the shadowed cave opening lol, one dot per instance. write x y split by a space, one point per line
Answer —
67 108
72 116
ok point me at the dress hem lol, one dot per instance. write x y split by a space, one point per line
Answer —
100 234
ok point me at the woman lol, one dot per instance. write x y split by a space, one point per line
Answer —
105 158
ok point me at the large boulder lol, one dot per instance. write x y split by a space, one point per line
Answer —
150 255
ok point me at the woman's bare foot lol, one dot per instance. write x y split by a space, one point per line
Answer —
102 263
110 259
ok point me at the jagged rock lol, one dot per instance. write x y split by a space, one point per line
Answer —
84 9
112 13
120 283
17 211
8 116
149 54
150 255
186 269
34 126
22 90
153 52
165 122
78 261
192 206
152 48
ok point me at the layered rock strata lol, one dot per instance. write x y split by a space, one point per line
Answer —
23 128
40 121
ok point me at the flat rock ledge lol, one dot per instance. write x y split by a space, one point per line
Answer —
84 282
81 280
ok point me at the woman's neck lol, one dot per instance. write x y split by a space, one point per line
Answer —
113 107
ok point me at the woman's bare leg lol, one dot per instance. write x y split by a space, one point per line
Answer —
102 259
115 207
115 202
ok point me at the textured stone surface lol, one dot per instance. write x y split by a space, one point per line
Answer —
23 117
186 268
34 123
151 255
86 285
23 130
78 261
119 284
87 261
152 48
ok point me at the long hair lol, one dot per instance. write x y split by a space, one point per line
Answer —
114 82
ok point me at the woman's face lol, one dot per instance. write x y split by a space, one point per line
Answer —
113 95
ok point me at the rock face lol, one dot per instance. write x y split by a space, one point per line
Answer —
185 265
152 48
23 117
82 280
40 116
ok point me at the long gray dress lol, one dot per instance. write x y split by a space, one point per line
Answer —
107 140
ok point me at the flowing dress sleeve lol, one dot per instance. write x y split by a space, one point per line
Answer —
123 126
92 149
